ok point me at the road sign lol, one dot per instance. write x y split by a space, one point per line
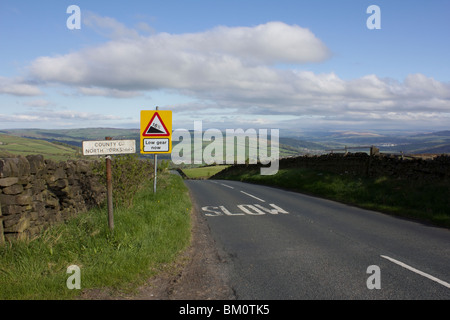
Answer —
107 147
156 131
156 127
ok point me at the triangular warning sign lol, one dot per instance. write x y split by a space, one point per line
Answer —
156 127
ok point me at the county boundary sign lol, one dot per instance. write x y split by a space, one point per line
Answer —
156 131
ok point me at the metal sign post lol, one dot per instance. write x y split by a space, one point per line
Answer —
156 167
156 135
109 147
156 171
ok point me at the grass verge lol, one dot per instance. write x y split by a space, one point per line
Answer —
421 200
147 235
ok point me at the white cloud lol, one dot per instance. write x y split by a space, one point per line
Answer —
186 61
54 119
6 118
106 92
18 87
39 103
273 42
235 69
420 86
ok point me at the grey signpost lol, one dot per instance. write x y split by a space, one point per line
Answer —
107 148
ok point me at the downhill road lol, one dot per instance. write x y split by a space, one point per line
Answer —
287 246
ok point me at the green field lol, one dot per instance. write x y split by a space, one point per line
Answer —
13 146
203 172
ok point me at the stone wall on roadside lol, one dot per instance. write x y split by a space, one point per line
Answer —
362 164
35 193
378 165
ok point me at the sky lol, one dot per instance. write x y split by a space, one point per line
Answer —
293 65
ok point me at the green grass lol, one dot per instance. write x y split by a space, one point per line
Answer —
11 145
149 234
203 172
417 199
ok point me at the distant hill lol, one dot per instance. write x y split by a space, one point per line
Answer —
438 150
31 141
301 144
312 143
388 142
74 136
445 133
358 134
13 146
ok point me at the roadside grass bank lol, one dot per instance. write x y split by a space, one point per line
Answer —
417 199
148 234
203 172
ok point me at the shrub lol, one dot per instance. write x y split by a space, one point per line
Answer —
128 175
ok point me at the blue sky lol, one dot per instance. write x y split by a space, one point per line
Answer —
292 65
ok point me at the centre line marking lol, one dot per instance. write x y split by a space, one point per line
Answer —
225 185
250 195
404 265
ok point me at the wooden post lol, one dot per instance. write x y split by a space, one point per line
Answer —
109 190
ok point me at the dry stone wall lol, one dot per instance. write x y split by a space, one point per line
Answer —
35 193
378 165
361 164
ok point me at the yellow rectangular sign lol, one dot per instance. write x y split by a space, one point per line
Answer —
156 131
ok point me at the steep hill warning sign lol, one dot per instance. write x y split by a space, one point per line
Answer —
156 131
156 127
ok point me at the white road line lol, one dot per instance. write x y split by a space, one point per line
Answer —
225 185
445 284
250 195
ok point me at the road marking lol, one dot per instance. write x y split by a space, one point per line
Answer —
212 211
228 213
404 265
249 209
275 209
250 195
225 185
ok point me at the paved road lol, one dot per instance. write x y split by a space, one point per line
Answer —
289 246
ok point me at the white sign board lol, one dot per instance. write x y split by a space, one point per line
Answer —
105 147
156 145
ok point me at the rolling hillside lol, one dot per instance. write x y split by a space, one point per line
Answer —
13 145
61 144
75 137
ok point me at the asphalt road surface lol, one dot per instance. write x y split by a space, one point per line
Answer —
281 245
